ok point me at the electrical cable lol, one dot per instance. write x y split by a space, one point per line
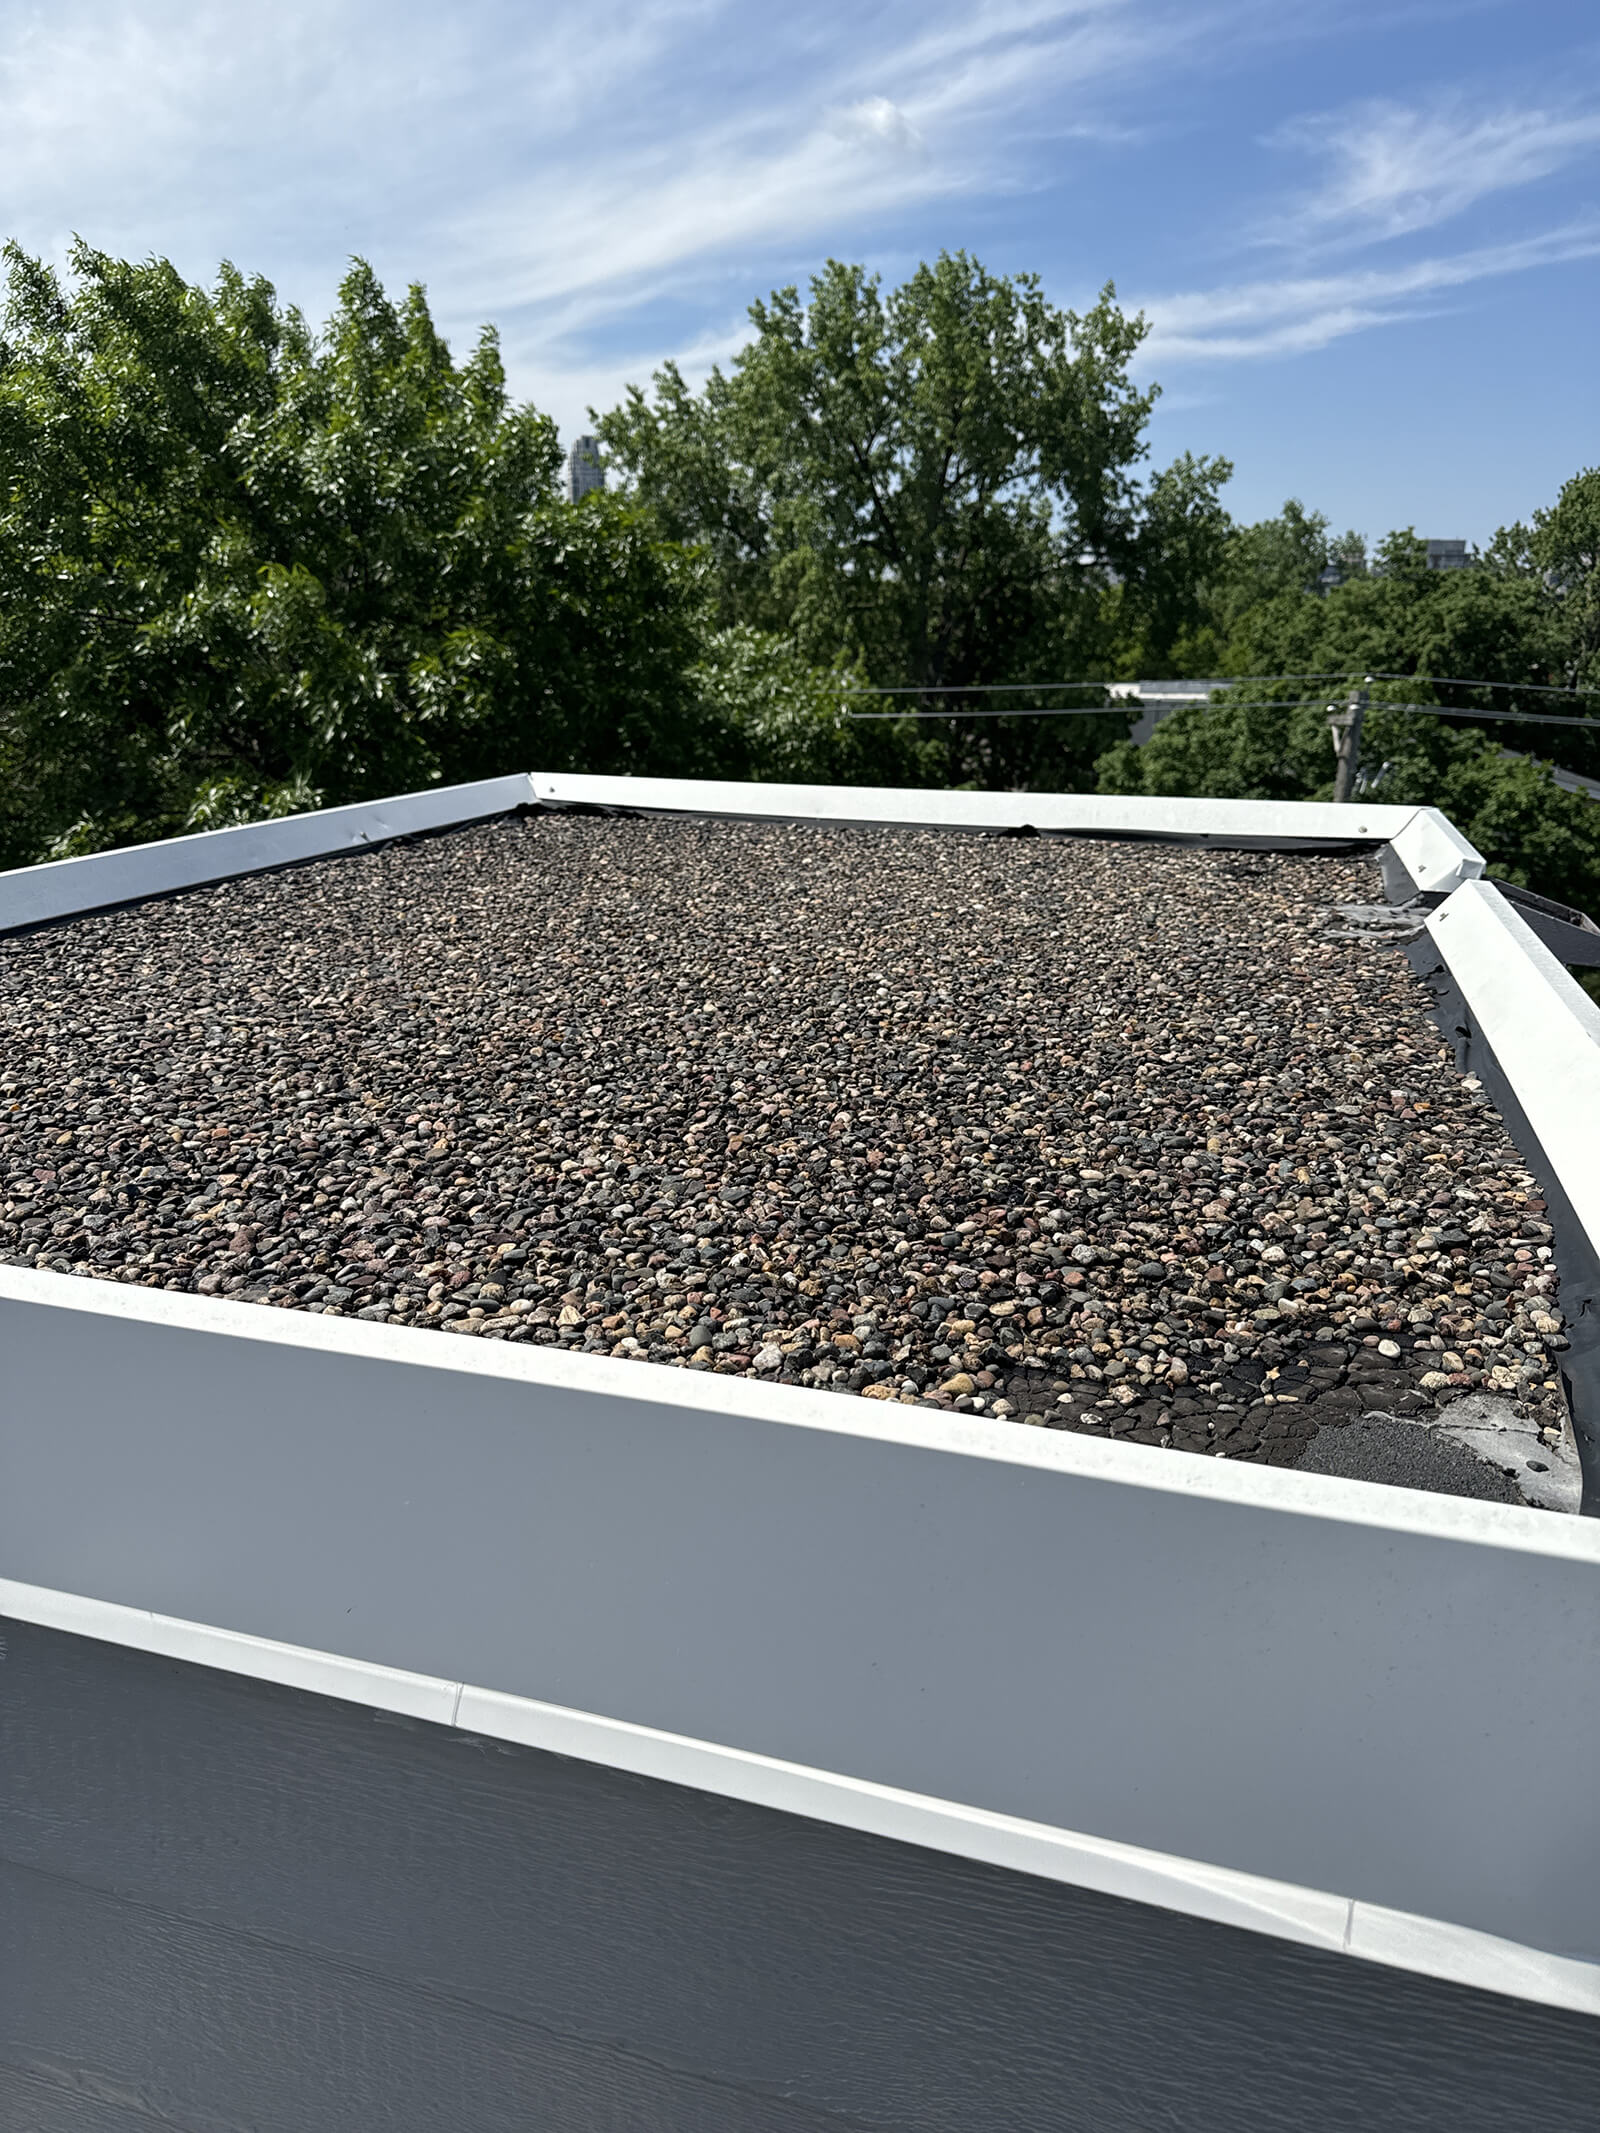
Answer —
1230 681
1000 688
1286 703
1457 681
1022 711
1509 718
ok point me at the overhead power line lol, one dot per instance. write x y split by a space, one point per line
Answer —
1230 681
1511 718
1283 703
976 688
1048 688
1022 711
1455 681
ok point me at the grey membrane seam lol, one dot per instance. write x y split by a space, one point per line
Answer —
1222 1895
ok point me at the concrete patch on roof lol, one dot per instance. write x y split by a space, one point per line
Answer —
1478 1446
1546 1474
1405 1454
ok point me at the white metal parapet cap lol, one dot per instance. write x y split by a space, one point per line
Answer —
1435 855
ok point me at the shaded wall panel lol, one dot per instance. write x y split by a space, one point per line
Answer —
230 1904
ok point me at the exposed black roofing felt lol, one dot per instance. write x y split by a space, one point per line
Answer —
1133 1139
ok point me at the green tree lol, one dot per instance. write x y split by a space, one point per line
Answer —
1562 551
1286 554
1248 567
779 717
1499 623
1263 741
1200 576
244 567
1166 606
938 482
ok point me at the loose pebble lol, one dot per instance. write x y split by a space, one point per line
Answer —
1121 1138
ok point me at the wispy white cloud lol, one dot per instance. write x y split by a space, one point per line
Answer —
1301 313
576 379
1393 171
1394 168
875 119
563 170
885 124
611 180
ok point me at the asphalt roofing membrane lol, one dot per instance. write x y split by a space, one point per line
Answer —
1139 1140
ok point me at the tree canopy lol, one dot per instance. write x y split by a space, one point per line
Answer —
246 568
939 483
1516 618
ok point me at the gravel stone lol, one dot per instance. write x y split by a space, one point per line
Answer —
1129 1138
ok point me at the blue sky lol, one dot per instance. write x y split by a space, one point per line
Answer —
1367 236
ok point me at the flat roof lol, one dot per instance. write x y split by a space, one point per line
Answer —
1140 1140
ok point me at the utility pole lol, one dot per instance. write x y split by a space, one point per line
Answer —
1344 728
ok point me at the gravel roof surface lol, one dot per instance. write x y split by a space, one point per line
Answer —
1123 1138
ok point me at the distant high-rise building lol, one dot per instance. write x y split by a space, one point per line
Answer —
1447 555
584 471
